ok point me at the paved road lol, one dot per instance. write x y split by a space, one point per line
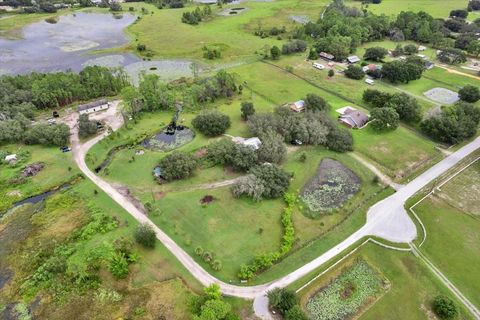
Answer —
386 219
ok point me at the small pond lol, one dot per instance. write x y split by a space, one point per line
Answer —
165 141
232 11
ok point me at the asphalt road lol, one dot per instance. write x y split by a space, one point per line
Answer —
386 219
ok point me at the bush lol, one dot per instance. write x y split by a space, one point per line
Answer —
85 126
220 152
119 266
331 73
410 49
211 123
296 313
375 53
145 236
247 110
275 53
354 72
444 307
141 47
294 46
469 93
273 148
243 158
340 140
265 181
177 165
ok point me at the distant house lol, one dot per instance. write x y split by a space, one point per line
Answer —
93 106
352 117
429 65
371 67
253 143
353 59
326 56
10 158
298 106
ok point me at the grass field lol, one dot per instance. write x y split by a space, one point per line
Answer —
411 285
233 34
452 223
437 8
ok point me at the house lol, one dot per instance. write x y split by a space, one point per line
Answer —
352 117
93 106
298 106
10 158
429 65
371 67
369 81
422 48
253 143
353 59
318 66
326 56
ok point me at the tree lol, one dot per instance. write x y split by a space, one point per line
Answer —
452 56
243 158
57 134
410 49
314 102
460 13
132 101
145 236
272 149
214 309
406 106
85 126
444 307
340 140
115 6
354 72
375 53
220 152
294 46
155 95
398 51
469 93
376 98
282 299
384 119
474 48
177 165
296 313
275 53
247 110
403 72
212 292
211 123
331 73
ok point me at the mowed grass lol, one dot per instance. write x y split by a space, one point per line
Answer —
436 8
453 242
233 34
412 286
400 153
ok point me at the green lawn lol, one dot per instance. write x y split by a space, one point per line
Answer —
437 8
412 286
452 223
233 34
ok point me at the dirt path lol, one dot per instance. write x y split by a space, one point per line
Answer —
450 70
383 177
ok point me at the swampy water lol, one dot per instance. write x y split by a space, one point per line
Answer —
71 42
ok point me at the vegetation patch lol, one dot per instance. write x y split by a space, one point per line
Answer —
330 188
164 141
207 199
347 294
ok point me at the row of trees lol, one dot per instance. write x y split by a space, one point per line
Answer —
196 16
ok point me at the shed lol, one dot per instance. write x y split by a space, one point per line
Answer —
93 106
253 142
369 81
326 56
353 59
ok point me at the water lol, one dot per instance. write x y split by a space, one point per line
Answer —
64 45
164 141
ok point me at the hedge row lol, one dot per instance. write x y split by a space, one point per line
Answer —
266 260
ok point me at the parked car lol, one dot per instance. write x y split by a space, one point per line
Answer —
318 66
297 142
65 149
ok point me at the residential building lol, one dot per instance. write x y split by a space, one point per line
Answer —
93 106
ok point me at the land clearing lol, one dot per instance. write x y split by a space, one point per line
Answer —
442 95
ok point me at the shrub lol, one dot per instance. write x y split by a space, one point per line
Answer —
247 110
282 299
211 123
243 158
177 165
331 73
145 236
296 313
118 265
375 53
444 307
275 53
469 93
141 47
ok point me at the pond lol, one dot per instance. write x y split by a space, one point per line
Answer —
71 42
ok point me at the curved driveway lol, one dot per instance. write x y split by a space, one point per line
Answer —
386 219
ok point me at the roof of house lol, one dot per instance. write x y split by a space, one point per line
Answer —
298 106
92 104
327 55
342 110
353 59
11 157
253 142
355 118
